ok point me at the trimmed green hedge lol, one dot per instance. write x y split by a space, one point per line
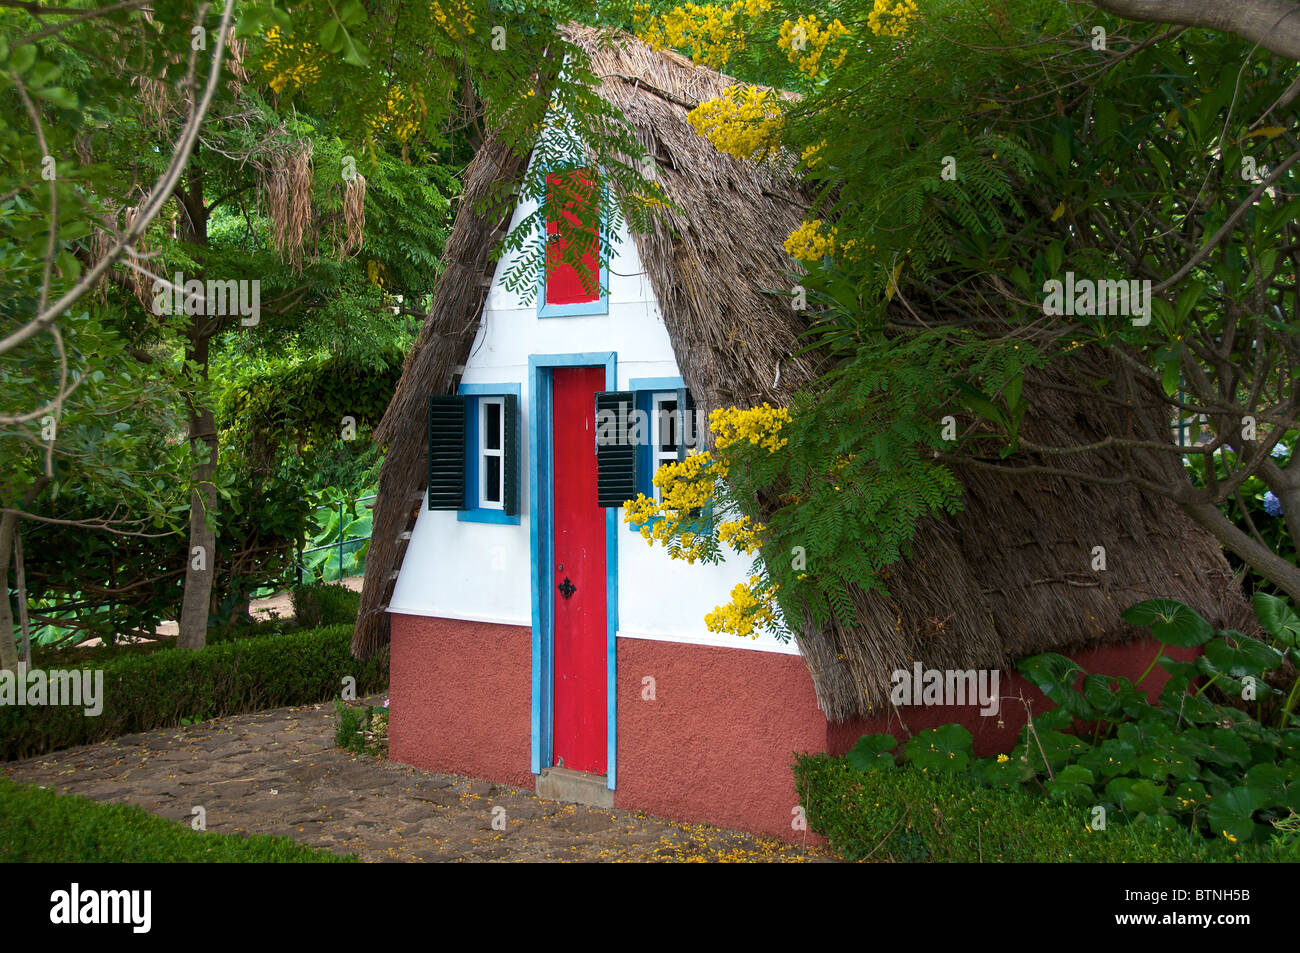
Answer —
904 814
159 689
38 826
325 603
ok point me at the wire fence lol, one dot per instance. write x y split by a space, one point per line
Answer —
346 539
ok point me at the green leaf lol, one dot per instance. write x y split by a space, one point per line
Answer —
22 59
1278 619
1231 814
69 265
1170 622
353 52
946 748
1097 692
872 751
1136 795
1249 657
1072 783
1105 119
1054 675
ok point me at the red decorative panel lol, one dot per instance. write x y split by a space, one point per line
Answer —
570 198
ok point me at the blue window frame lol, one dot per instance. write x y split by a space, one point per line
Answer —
486 456
599 306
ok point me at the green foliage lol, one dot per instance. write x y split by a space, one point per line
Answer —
907 814
324 603
339 533
1254 508
988 169
1216 755
157 689
362 728
39 826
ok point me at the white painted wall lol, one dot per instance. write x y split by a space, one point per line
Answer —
483 571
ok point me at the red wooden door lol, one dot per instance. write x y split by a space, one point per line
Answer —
579 573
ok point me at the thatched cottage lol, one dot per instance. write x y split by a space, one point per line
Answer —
538 640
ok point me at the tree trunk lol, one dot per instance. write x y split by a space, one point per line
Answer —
1259 558
8 524
201 554
8 648
1273 24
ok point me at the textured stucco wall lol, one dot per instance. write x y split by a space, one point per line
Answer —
460 697
717 742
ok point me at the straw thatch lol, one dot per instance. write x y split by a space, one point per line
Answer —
1008 576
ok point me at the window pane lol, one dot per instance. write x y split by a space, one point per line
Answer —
668 426
492 429
492 479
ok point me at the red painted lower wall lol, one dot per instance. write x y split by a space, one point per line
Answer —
714 745
1129 660
717 741
460 697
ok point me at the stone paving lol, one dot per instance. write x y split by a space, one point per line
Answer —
279 772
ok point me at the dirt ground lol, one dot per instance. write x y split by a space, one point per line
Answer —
279 772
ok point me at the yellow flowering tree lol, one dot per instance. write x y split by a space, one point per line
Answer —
699 512
710 32
745 121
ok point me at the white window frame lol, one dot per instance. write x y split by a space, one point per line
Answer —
659 456
485 453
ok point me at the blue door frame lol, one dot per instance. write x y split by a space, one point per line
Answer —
542 547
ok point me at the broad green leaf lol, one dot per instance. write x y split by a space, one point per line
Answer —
1171 622
872 751
1278 619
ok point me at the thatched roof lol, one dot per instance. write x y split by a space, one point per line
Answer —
968 598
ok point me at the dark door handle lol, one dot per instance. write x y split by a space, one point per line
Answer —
567 588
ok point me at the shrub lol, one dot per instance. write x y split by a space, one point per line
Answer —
39 826
324 603
907 814
362 728
1216 755
166 686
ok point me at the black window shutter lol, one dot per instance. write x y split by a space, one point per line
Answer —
510 443
446 452
686 429
616 469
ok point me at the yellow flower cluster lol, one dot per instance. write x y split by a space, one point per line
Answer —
741 533
810 242
805 41
892 17
809 156
403 114
290 65
688 485
744 121
454 21
685 488
751 610
710 31
761 426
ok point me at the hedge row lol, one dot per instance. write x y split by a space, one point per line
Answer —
904 814
159 689
39 826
